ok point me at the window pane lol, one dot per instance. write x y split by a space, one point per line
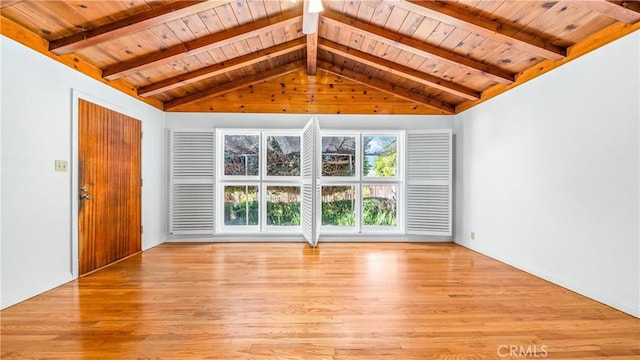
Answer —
283 205
379 205
380 155
338 205
241 155
338 156
283 155
241 205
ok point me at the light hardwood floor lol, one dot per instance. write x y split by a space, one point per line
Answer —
340 301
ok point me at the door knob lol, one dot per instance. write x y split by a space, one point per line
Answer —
85 196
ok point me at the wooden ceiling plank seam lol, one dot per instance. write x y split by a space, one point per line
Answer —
400 70
257 10
5 3
205 43
381 14
123 9
625 11
273 7
235 84
70 14
597 23
425 29
386 87
366 12
135 23
242 12
581 18
396 18
100 14
549 30
28 22
492 29
220 68
53 25
179 29
418 47
227 16
312 53
351 8
411 24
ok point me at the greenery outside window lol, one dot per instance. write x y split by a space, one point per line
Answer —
339 204
282 156
379 156
241 205
283 206
379 205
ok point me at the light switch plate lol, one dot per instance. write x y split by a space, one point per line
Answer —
62 165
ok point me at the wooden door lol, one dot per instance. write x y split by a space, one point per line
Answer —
109 218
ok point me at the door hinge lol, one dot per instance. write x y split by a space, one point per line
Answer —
141 229
141 182
141 135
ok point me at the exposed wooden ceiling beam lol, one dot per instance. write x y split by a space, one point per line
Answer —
26 37
500 32
400 70
625 11
414 46
202 44
221 68
312 53
387 87
605 36
5 3
154 17
235 84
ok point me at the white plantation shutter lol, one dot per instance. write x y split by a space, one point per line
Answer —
309 182
317 196
192 175
429 182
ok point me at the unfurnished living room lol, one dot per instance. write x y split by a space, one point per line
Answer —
320 179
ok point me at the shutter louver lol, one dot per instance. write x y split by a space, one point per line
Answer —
192 198
429 182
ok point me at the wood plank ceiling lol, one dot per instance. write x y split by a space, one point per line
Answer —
367 56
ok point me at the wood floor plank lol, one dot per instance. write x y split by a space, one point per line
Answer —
289 301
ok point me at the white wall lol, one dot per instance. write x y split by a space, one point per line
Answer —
298 121
36 201
548 174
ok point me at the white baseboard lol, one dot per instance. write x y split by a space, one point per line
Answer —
24 294
590 293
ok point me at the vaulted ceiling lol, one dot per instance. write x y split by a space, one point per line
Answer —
366 56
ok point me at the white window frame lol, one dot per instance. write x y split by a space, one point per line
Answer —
357 160
221 142
399 228
359 180
398 180
399 177
327 229
263 159
263 214
224 228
